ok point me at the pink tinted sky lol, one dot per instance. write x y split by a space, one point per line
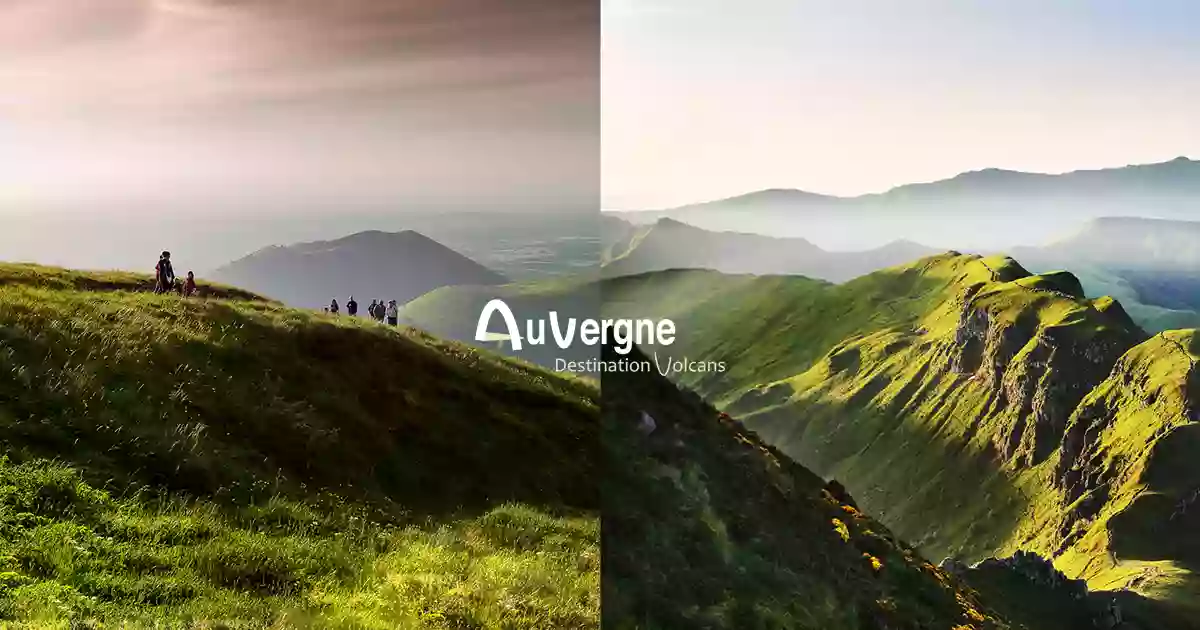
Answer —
271 101
705 99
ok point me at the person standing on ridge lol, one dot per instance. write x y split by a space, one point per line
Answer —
351 307
380 311
372 308
393 313
189 285
333 307
164 279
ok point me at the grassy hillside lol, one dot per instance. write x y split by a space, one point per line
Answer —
973 407
234 462
28 275
706 526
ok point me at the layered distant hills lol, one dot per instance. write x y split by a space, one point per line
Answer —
671 244
367 265
988 209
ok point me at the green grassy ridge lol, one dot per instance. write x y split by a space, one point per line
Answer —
707 526
940 393
201 461
48 277
1151 317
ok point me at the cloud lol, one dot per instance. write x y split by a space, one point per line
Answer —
297 97
70 56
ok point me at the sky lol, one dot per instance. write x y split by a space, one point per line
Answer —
706 99
263 105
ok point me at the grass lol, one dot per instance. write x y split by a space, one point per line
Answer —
706 526
973 407
233 463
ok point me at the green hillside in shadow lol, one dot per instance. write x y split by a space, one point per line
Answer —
232 463
973 407
707 526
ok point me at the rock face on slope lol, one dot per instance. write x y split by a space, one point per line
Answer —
1038 370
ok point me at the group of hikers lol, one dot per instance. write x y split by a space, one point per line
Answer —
378 310
165 280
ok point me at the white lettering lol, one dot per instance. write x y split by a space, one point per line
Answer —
510 322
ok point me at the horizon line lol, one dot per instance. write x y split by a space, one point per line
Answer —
1178 158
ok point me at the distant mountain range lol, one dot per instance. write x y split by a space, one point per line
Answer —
980 210
368 265
671 244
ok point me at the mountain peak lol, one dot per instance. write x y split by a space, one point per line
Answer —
393 265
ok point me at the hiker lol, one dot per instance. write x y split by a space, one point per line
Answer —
372 308
189 285
381 311
352 307
164 275
393 313
333 307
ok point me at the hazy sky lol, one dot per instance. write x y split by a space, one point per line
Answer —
704 99
263 104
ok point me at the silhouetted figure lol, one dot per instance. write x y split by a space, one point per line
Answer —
351 307
164 274
393 313
333 306
371 310
381 311
189 285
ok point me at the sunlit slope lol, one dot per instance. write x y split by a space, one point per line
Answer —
215 461
973 407
706 526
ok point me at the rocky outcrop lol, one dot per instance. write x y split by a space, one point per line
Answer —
1039 371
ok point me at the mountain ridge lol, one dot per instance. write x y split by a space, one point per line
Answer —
988 174
974 407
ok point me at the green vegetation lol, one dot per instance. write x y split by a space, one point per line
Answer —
232 463
975 408
1150 316
706 526
453 313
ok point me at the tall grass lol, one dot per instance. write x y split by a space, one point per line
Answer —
172 463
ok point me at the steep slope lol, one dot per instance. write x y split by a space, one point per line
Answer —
670 244
368 265
973 407
204 462
706 526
